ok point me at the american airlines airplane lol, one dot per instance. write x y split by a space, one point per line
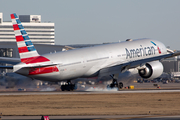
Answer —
97 61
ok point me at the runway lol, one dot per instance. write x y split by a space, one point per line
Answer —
114 117
145 116
87 92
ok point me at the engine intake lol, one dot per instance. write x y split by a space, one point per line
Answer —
152 70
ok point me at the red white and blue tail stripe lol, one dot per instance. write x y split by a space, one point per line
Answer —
27 51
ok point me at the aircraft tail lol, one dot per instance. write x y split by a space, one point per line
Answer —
27 51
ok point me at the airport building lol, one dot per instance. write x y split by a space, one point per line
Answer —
39 32
171 65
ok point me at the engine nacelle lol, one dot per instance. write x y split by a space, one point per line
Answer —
152 70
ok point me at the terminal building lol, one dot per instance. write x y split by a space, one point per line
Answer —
172 64
39 32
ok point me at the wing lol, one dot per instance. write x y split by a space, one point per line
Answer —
123 66
173 55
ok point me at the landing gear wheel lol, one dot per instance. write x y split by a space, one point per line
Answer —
68 86
120 85
62 87
114 84
72 87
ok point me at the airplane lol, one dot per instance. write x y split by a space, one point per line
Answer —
108 59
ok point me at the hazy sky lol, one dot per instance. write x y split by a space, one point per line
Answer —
98 21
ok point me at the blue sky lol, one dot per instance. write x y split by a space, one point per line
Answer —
98 21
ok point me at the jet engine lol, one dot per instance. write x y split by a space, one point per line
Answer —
151 70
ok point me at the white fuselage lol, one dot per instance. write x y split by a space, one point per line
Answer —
87 62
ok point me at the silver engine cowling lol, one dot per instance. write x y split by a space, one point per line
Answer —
151 70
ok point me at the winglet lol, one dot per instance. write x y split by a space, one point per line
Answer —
27 51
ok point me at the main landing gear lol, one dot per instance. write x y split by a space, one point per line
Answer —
68 86
115 84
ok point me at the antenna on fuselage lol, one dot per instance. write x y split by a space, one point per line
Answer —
129 39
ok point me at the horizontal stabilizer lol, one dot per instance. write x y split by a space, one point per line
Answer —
6 67
10 60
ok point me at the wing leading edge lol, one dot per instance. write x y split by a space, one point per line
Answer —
124 65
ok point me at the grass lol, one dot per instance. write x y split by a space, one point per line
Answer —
92 104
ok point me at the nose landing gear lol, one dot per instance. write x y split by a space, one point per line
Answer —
115 84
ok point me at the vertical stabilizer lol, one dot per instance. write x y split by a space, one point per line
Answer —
27 51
